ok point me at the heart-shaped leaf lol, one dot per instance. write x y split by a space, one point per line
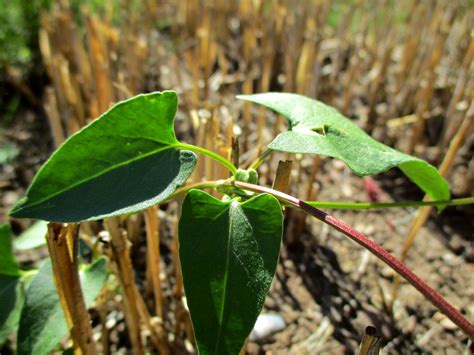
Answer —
124 161
228 252
42 322
316 128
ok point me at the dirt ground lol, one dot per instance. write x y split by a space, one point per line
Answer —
327 288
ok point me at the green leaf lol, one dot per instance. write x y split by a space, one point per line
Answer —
12 285
228 252
8 152
42 322
8 264
124 161
33 237
92 279
316 128
11 301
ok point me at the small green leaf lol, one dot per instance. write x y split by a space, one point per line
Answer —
8 264
8 152
228 252
42 322
316 128
124 161
33 237
92 279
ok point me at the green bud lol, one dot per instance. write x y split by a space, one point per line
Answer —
241 175
253 176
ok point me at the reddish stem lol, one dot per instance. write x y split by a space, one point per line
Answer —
432 295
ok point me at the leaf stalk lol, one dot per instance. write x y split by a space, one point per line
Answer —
218 158
255 164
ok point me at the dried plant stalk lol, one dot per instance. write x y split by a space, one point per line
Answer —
282 178
153 257
54 117
370 344
120 257
63 247
100 65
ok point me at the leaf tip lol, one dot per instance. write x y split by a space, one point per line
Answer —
16 210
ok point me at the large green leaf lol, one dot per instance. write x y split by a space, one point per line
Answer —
316 128
42 322
228 252
124 161
8 264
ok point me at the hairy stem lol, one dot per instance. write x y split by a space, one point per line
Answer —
218 158
432 295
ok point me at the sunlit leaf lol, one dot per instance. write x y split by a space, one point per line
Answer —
316 128
124 161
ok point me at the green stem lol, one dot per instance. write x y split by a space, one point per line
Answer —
28 273
257 162
198 185
218 158
375 205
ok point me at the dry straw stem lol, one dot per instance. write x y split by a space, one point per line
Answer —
376 85
135 307
178 291
63 247
120 257
424 212
282 177
452 124
54 118
153 257
153 325
370 344
100 64
442 22
310 194
182 318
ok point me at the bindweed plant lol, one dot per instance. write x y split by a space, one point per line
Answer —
129 159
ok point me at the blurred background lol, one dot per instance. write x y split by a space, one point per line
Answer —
402 70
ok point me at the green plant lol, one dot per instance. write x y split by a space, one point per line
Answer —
129 159
20 22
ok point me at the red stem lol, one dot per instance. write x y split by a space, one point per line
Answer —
432 295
